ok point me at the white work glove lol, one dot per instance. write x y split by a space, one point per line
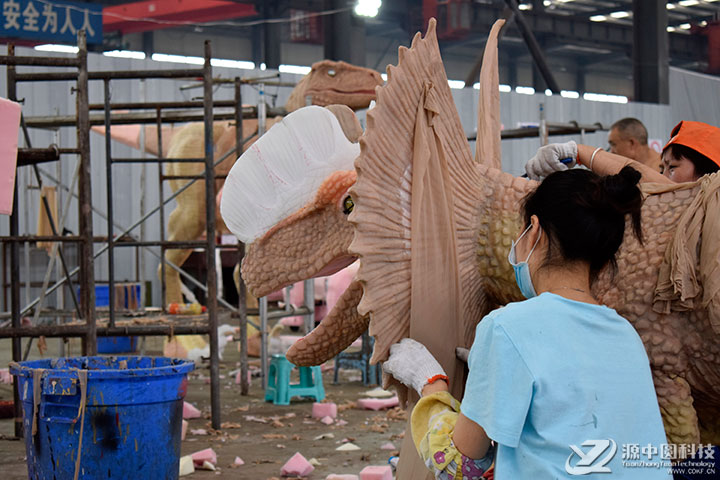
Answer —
413 365
552 158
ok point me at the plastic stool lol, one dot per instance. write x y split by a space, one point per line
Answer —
360 360
279 389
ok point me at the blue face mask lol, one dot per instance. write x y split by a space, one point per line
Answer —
522 270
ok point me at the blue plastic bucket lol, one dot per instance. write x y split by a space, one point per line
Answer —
131 421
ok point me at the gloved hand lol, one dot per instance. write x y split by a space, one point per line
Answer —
552 158
412 364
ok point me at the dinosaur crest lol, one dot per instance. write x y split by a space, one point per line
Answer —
281 172
414 215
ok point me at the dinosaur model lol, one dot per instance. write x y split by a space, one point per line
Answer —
479 215
328 82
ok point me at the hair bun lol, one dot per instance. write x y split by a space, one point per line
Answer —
621 192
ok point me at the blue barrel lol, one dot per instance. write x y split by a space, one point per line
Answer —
131 421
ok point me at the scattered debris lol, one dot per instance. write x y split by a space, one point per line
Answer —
207 455
207 466
324 436
320 410
230 425
374 472
347 447
378 393
341 423
377 403
346 406
297 465
237 463
189 411
388 446
183 432
198 431
314 462
327 420
274 436
334 476
187 465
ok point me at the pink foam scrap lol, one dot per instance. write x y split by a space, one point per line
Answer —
375 472
320 410
297 465
207 455
341 422
189 411
378 403
327 420
344 476
184 429
9 129
238 461
388 446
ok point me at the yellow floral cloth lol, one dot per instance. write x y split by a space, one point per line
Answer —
433 422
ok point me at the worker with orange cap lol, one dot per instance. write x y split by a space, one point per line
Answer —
692 151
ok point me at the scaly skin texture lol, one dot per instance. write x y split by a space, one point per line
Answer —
348 85
682 348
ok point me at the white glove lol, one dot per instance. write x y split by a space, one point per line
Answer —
412 364
552 158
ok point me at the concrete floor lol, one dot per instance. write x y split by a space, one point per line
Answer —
264 447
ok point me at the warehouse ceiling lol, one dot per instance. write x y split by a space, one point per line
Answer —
574 35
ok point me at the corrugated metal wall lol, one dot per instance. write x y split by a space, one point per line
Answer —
694 96
129 187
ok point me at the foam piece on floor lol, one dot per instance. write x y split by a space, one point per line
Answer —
238 461
347 447
207 455
373 472
327 420
388 446
189 411
187 465
184 429
297 466
320 410
378 403
346 476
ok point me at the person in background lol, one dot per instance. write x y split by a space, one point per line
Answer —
551 372
692 151
628 137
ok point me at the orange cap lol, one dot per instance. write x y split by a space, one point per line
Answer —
699 136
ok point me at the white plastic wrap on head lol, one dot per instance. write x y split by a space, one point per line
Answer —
281 172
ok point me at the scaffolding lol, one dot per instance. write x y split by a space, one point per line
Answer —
87 325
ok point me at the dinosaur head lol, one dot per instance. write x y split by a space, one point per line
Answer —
286 198
340 83
311 242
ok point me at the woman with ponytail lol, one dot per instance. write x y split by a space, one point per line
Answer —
558 383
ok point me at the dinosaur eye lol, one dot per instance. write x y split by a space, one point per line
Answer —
348 205
331 73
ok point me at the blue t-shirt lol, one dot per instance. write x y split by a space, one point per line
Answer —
548 373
